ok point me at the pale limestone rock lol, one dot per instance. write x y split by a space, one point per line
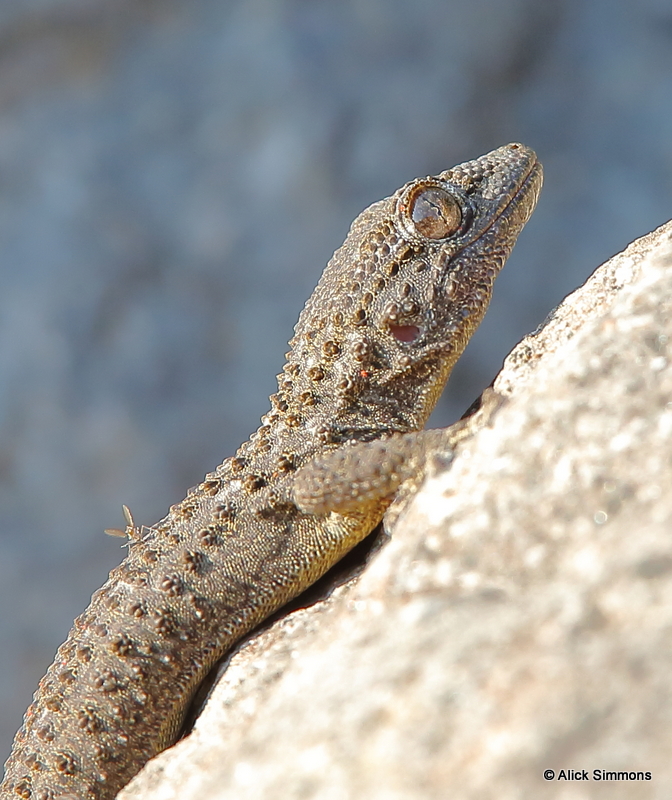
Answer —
518 619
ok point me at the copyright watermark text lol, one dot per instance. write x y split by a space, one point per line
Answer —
596 775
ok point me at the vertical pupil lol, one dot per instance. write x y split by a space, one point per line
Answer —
435 213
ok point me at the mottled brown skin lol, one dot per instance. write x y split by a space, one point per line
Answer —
372 350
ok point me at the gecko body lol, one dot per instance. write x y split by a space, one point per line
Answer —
371 353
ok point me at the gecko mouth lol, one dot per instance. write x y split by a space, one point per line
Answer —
530 185
523 199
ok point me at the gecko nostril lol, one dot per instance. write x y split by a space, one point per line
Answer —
405 333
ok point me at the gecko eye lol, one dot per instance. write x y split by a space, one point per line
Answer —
435 213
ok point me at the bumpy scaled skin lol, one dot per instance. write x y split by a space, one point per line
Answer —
373 348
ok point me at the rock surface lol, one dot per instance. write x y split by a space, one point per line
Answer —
519 618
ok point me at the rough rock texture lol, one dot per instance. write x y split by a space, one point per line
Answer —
517 621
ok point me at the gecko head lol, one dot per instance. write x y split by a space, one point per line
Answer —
400 299
460 227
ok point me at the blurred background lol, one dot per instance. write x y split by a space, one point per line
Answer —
174 175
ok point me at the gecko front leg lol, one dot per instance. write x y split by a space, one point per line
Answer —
360 473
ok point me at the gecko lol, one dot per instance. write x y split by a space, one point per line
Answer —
372 351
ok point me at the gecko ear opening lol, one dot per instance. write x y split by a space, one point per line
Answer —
405 333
